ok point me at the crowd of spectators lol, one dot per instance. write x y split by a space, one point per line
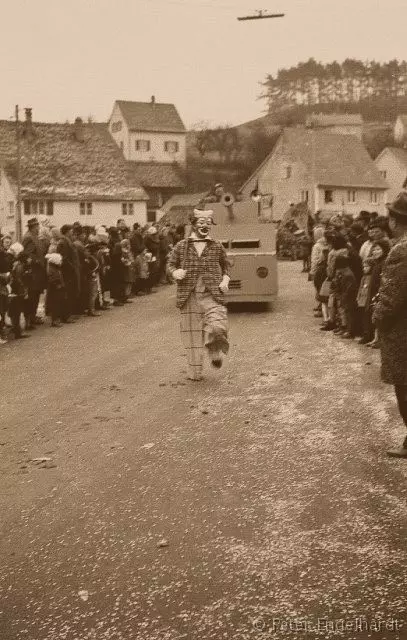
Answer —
75 270
346 261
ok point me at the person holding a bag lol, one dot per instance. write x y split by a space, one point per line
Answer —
200 267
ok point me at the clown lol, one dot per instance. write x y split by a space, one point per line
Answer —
199 265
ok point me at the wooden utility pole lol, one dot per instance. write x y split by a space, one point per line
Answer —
19 231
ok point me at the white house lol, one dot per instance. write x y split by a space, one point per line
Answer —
348 124
332 173
400 129
152 137
392 165
148 131
68 173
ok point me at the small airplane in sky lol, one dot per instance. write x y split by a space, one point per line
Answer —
261 14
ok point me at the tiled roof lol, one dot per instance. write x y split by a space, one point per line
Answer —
54 163
400 154
156 175
334 119
178 208
184 200
330 159
149 116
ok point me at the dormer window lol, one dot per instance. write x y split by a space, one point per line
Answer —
143 145
171 146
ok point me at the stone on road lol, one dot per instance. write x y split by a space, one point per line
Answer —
138 506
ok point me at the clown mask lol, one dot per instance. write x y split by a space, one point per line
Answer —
202 223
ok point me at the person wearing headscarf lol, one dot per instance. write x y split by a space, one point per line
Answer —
20 280
200 267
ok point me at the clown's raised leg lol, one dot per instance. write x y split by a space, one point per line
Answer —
204 325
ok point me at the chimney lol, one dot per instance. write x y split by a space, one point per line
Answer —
152 101
79 130
28 127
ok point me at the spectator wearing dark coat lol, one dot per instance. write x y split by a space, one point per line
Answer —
70 271
117 268
346 289
55 302
33 250
6 264
79 239
152 242
20 278
390 315
136 240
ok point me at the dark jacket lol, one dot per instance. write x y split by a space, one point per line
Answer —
136 242
390 315
34 252
346 287
70 262
212 265
19 279
55 297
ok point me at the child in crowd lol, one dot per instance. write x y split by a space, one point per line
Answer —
92 275
19 278
55 296
142 273
6 264
345 287
128 268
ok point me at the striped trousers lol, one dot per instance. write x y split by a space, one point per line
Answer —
204 324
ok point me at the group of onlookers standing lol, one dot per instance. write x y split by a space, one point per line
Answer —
346 262
359 271
80 270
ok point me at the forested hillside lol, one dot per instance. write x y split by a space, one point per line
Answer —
376 90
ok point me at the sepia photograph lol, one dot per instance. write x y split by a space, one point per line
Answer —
203 320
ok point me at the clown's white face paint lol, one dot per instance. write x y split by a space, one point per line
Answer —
201 227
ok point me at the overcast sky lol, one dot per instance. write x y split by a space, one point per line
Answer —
75 57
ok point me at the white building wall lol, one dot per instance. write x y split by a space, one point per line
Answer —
340 201
396 173
7 213
106 213
120 137
157 151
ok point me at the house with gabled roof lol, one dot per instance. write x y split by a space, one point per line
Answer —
68 173
400 129
332 173
152 138
342 123
392 165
